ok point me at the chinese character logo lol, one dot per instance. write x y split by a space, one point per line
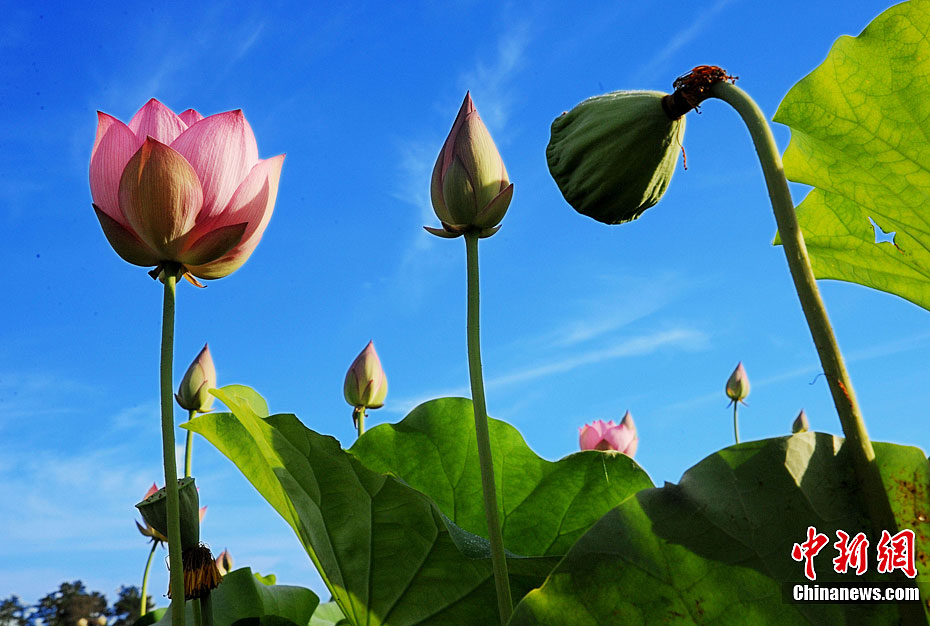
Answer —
808 550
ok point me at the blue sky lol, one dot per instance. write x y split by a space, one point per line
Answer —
580 321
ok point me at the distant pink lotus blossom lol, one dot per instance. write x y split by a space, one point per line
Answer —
182 188
601 435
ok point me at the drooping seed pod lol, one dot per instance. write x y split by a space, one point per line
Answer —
613 155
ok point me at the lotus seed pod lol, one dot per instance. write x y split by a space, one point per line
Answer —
154 510
613 155
800 425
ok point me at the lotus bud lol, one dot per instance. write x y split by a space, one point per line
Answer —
613 155
224 562
194 390
366 384
738 384
800 424
154 511
607 436
470 190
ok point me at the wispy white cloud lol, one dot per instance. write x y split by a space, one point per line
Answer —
248 40
613 309
490 80
677 338
34 394
68 498
682 38
416 167
682 338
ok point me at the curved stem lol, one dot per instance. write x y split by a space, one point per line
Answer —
805 284
144 607
167 438
189 446
736 420
498 560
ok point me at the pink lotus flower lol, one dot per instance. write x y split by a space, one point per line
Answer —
182 189
601 435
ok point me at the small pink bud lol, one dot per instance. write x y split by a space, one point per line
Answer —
738 384
194 390
224 562
366 384
607 436
800 424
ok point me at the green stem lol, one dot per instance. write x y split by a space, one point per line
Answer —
358 415
872 490
805 284
143 609
498 560
189 446
170 274
736 420
206 604
198 614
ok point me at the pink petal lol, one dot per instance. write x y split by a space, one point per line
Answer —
589 437
222 150
160 197
125 242
619 437
113 147
212 246
190 117
151 490
157 121
253 203
632 446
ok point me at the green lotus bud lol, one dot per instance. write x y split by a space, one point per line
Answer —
194 390
613 155
738 384
154 510
470 190
366 384
800 424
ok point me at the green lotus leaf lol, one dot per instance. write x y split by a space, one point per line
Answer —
860 125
